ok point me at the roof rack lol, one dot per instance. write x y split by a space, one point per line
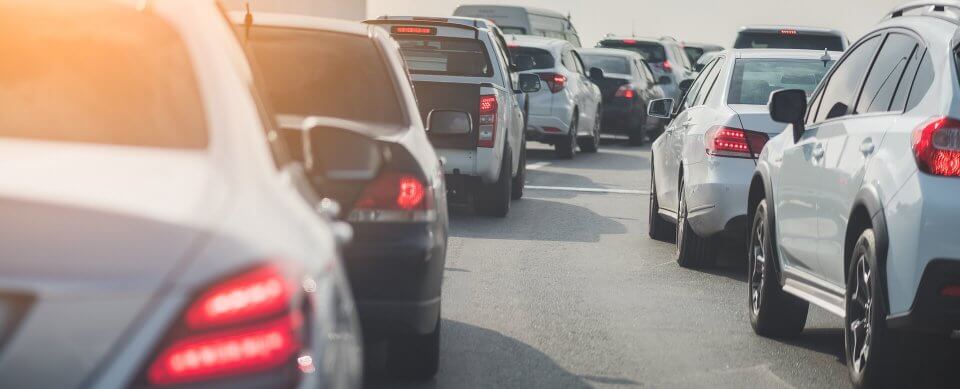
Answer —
928 7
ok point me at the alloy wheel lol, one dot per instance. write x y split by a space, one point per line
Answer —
758 259
681 220
860 312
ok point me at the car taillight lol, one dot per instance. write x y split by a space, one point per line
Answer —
630 41
238 326
734 142
666 66
394 197
789 32
488 121
626 92
556 82
936 147
952 291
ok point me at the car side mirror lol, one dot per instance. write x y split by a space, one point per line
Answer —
789 106
664 80
685 85
449 122
660 108
522 63
596 74
335 152
529 83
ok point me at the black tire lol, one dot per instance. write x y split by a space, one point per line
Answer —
660 229
638 132
520 181
414 356
773 312
567 149
494 199
592 143
693 252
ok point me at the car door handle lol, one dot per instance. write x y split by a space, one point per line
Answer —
818 152
867 147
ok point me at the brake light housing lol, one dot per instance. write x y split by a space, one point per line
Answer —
258 293
555 81
936 147
626 92
731 142
667 65
488 121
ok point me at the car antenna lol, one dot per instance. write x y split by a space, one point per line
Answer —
826 57
247 22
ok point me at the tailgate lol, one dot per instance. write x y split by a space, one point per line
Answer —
451 96
609 86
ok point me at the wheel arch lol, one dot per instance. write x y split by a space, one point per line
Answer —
761 187
867 212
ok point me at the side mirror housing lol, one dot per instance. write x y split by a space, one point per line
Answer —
660 108
448 122
789 106
529 83
664 80
596 74
334 152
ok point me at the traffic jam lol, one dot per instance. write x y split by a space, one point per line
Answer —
202 197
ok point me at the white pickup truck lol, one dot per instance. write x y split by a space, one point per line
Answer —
462 64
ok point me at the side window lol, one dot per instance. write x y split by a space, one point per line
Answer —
844 84
694 90
711 82
567 59
649 73
903 90
886 74
644 82
812 108
921 85
680 56
578 62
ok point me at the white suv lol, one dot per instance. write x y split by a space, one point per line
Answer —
854 206
566 112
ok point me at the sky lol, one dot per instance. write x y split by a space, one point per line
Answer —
708 21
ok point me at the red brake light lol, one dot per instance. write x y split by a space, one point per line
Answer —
255 294
394 197
789 32
626 92
630 41
250 350
950 291
667 66
488 121
734 142
413 30
555 81
936 147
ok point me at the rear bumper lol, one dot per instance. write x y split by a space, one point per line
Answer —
396 272
620 118
716 191
537 127
932 312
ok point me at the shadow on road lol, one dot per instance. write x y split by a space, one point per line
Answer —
474 357
541 220
606 159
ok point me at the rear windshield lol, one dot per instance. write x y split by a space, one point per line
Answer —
608 63
320 73
778 40
651 52
542 59
754 79
445 56
694 53
513 30
61 80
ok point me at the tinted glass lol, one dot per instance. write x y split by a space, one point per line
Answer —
925 77
886 74
542 59
694 53
513 30
320 73
903 90
445 56
62 80
777 40
651 52
568 61
608 63
754 79
844 84
691 95
709 84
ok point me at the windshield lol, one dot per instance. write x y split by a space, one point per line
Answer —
62 81
608 63
779 40
445 56
330 74
651 52
754 79
542 59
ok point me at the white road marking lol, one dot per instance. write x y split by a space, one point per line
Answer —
589 190
537 165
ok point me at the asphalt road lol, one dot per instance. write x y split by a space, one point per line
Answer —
568 292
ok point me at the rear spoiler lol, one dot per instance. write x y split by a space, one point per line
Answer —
422 22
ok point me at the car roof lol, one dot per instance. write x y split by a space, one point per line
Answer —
610 52
531 10
535 41
461 20
301 21
777 27
702 45
641 39
781 54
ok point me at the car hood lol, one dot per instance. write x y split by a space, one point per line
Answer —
88 236
757 118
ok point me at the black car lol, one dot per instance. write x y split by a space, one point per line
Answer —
345 98
627 86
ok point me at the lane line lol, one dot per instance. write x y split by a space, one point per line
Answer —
537 165
589 190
